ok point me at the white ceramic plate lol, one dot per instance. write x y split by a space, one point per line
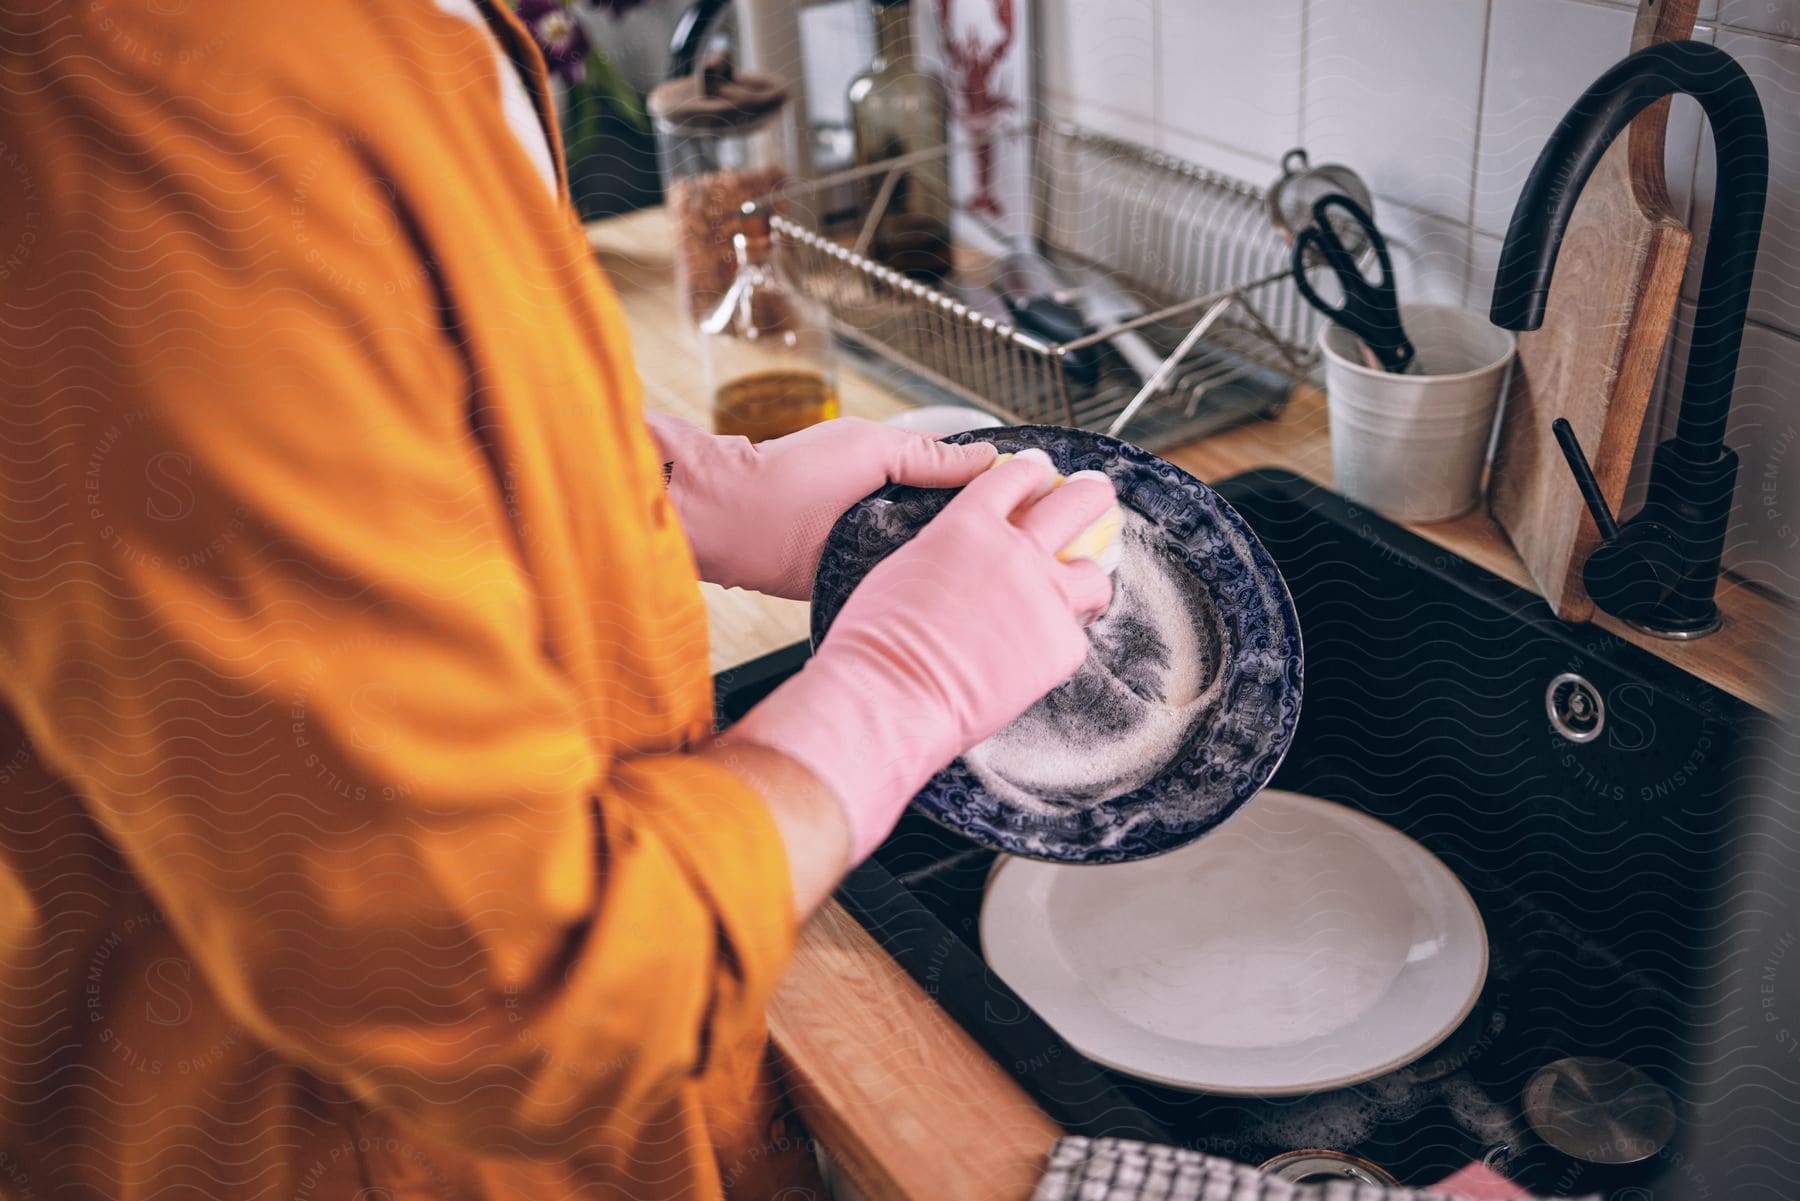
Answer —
1301 946
944 419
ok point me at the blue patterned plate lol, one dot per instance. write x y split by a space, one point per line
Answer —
1189 695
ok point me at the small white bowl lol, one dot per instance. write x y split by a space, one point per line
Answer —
944 419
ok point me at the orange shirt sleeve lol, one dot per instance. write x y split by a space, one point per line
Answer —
273 612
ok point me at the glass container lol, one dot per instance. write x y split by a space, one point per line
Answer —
899 108
766 346
720 147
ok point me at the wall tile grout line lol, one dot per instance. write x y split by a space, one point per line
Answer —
1157 119
1785 39
1487 40
1717 20
1306 25
1770 327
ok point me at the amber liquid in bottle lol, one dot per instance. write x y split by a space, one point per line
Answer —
769 404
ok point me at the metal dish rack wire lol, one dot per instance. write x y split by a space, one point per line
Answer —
1194 247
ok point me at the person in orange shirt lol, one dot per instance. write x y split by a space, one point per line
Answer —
365 829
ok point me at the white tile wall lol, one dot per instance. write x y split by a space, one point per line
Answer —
1530 82
1216 157
1765 431
1394 88
1484 262
1430 251
1779 17
1443 105
1101 56
1231 72
1774 66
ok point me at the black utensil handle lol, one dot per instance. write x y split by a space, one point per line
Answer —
1049 318
1057 323
1584 478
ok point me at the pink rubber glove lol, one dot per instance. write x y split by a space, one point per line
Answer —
1478 1182
757 515
947 640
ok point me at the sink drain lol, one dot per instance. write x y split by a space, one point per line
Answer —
1575 708
1317 1166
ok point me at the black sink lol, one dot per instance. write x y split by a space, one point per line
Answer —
1598 865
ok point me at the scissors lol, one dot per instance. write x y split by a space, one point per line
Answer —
1371 308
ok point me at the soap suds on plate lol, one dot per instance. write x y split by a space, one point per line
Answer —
1152 675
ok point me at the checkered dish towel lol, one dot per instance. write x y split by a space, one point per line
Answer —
1118 1169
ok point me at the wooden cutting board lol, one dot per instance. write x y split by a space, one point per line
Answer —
1595 359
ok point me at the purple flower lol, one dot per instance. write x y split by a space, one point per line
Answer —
559 35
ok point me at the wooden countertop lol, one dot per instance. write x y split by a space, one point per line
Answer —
902 1095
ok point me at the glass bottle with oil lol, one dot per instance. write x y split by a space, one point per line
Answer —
766 346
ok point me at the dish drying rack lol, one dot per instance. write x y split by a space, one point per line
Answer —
1196 248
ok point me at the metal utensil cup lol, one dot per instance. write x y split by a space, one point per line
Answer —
1291 198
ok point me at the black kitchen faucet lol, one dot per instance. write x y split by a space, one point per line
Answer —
1659 569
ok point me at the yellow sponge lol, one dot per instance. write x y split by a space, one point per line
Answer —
1101 540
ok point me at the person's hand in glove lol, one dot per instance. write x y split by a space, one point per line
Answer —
756 515
947 640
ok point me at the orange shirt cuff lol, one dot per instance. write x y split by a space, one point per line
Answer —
727 842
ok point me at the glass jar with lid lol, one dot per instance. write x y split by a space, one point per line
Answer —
720 147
